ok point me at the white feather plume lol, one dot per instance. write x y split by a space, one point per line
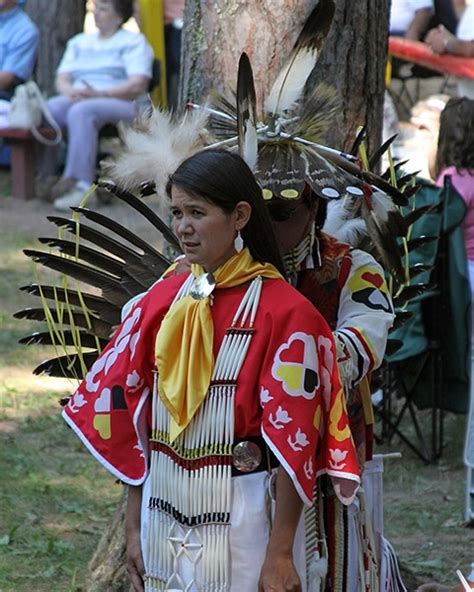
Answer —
250 147
289 85
154 147
343 221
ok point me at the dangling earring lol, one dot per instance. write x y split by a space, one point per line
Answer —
238 242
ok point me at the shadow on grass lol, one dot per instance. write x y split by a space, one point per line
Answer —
424 505
55 502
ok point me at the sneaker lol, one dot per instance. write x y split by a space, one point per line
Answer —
50 187
44 185
61 187
71 198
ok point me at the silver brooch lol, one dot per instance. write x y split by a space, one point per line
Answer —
203 286
246 456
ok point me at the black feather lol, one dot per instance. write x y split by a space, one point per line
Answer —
106 222
401 318
418 268
96 258
246 112
377 155
96 304
86 340
138 205
66 366
360 137
393 345
98 238
414 215
416 243
94 326
112 288
411 292
311 38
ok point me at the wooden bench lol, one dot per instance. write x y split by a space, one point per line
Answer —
22 164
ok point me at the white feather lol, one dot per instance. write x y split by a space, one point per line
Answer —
289 85
154 147
250 147
343 221
381 204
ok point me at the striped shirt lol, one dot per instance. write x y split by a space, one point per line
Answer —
103 63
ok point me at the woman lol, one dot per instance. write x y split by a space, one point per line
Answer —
98 79
216 381
455 158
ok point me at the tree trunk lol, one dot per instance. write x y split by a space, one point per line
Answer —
353 60
215 35
58 21
107 570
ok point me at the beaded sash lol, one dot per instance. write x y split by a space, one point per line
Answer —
190 498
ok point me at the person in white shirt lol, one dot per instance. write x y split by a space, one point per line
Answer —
442 41
410 18
98 79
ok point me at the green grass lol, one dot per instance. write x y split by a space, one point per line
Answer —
55 500
424 507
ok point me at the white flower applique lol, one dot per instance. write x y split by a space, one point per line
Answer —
308 468
134 382
76 402
281 418
133 343
108 359
337 459
265 396
299 442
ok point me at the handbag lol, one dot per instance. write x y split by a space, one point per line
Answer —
28 108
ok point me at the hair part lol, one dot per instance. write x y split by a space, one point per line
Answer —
124 8
224 179
456 136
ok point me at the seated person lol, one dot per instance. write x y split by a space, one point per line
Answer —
18 46
173 15
98 79
410 18
442 41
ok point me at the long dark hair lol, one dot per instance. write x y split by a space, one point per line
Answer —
456 136
223 178
124 8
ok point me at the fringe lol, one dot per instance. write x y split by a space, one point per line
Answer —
191 498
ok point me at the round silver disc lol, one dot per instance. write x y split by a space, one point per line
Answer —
246 456
203 286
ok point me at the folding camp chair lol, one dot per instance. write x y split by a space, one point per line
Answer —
432 368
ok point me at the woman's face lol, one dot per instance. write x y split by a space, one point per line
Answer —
106 19
205 231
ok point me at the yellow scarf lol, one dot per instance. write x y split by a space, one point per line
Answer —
184 344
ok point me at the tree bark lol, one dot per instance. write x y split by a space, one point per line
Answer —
107 570
353 59
58 21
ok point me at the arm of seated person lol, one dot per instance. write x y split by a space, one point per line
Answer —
7 80
442 41
419 24
128 90
65 87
